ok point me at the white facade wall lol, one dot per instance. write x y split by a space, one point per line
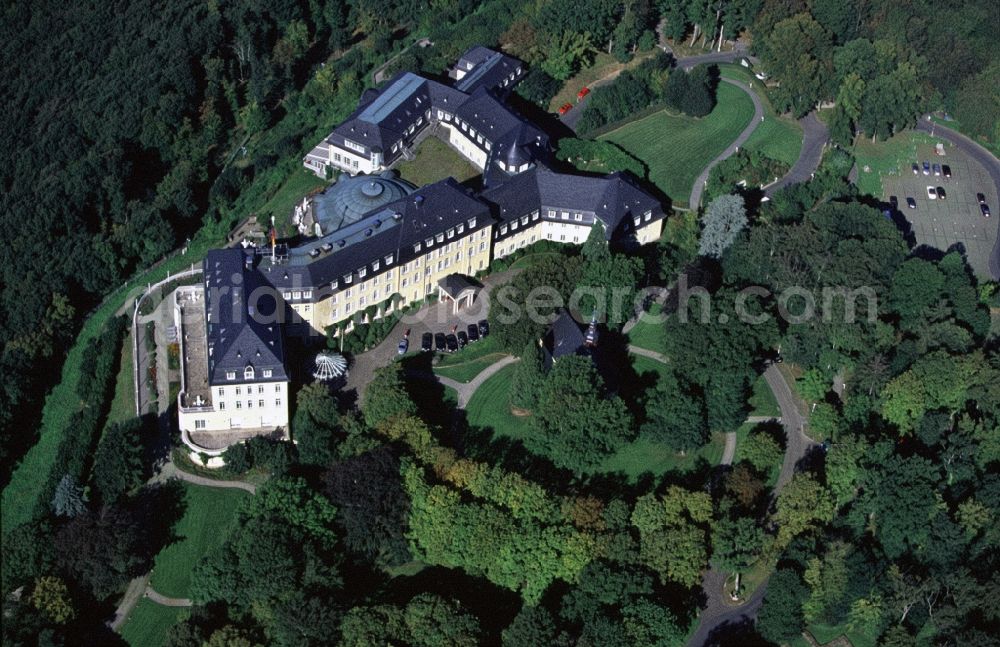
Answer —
463 141
256 405
351 162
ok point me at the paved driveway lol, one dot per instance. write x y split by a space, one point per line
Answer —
814 136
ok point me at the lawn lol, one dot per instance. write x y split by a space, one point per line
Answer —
824 634
762 402
436 161
676 148
469 362
777 137
205 524
489 408
123 403
148 623
890 157
299 184
649 333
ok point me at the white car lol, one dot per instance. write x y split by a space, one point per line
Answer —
931 193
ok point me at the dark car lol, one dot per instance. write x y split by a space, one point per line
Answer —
937 169
927 168
985 208
911 203
473 332
916 168
484 328
439 342
981 198
427 341
463 339
404 345
946 170
941 194
452 343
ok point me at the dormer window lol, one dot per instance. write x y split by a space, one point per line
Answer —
417 247
429 242
268 372
472 223
362 272
439 238
461 228
451 233
248 373
375 266
230 375
388 259
347 278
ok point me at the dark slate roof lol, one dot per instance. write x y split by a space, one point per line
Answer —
564 337
382 116
489 69
391 229
456 284
352 197
240 312
611 199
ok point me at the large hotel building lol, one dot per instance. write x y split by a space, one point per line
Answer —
372 239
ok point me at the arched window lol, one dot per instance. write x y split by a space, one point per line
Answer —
248 372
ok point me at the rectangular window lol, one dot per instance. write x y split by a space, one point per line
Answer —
277 388
249 404
579 216
286 295
277 402
199 424
362 272
239 404
260 388
230 375
222 393
260 403
268 372
239 391
222 406
375 266
307 294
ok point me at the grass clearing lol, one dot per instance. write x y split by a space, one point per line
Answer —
890 157
604 65
148 623
436 161
489 408
762 402
778 137
205 524
649 332
824 634
299 184
467 371
123 402
676 148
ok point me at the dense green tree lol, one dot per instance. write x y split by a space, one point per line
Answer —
386 396
780 618
576 424
373 507
736 543
529 378
533 625
316 424
103 550
674 415
798 51
432 621
762 450
802 505
68 500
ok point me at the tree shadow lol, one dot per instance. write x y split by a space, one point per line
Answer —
736 633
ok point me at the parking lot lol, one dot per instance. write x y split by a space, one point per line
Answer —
956 219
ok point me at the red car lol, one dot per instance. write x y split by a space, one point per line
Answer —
582 93
566 107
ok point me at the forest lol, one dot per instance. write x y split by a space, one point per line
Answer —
133 130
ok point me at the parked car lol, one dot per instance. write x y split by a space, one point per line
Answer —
484 328
981 198
985 208
452 342
427 342
473 332
404 345
946 170
931 193
937 169
941 193
916 168
439 342
911 203
463 339
584 91
927 168
566 107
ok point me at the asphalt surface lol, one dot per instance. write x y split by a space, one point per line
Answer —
986 159
815 135
758 117
718 615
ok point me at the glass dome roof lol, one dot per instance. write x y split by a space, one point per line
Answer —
352 197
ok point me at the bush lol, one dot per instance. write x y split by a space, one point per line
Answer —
632 91
274 456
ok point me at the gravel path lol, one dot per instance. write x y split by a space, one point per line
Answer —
164 600
758 117
814 137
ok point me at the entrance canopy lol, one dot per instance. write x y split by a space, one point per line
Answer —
458 288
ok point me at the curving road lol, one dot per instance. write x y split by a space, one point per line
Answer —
758 117
717 612
981 155
815 135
